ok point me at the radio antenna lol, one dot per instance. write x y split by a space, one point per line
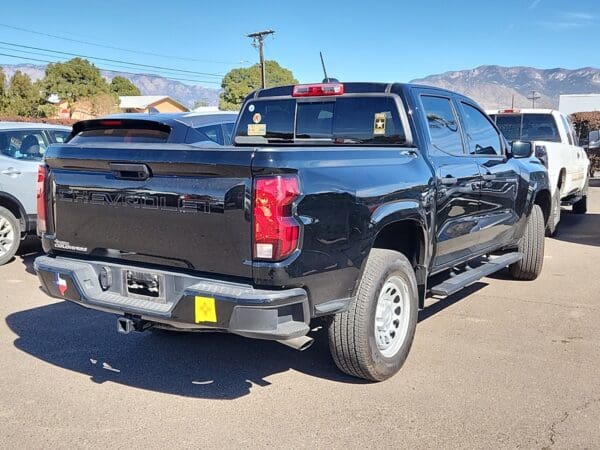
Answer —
324 70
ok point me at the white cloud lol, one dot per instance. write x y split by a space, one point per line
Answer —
534 4
569 20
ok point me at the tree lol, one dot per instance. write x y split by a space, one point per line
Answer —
22 96
2 91
238 83
2 83
123 86
200 104
73 80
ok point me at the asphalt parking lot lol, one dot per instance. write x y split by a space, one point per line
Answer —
503 364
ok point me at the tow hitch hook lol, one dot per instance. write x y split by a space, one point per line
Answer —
126 325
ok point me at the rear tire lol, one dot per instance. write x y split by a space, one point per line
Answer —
372 339
10 235
555 212
580 207
532 247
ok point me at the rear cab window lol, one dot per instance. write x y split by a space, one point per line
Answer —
527 127
345 120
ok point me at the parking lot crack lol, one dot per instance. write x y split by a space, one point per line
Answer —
552 429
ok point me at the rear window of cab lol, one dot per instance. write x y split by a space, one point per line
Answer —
345 120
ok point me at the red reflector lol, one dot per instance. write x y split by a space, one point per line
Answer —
41 199
275 229
111 123
317 90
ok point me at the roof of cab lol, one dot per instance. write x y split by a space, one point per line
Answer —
31 126
509 111
351 88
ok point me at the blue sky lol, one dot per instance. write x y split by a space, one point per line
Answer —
361 40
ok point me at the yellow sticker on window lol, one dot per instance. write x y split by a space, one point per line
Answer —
257 129
205 309
379 124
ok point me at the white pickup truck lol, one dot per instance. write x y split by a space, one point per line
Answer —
553 138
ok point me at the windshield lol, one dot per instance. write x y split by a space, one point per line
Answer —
351 120
23 144
527 127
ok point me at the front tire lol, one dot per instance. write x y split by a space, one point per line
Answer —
555 212
373 338
532 247
580 207
10 232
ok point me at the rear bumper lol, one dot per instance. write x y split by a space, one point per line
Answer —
188 303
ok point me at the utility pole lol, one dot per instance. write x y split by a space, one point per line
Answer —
534 96
258 39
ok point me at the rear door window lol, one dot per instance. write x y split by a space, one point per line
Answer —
23 144
213 132
228 127
443 126
351 120
59 136
482 137
567 129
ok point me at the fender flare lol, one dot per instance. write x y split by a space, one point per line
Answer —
405 211
22 213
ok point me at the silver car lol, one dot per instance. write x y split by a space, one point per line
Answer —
22 147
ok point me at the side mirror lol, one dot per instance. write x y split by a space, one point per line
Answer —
521 149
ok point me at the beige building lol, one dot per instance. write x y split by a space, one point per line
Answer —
150 103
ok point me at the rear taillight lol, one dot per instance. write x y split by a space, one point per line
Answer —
276 231
541 154
318 90
41 199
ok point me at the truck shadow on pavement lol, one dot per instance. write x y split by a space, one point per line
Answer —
579 228
202 365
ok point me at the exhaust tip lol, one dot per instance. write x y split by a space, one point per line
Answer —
300 343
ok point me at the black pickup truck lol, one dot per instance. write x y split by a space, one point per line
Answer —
349 202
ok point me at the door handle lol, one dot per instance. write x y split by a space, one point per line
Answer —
449 181
489 176
11 172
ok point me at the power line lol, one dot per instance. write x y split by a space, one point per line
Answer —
140 52
110 60
122 69
108 70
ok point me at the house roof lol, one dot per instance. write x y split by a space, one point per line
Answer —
144 101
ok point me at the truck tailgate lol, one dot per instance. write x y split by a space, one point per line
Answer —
177 206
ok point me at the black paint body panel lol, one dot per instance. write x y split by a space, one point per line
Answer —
348 195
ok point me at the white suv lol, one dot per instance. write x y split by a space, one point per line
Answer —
22 147
553 138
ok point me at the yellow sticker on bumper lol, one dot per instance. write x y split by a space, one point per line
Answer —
205 309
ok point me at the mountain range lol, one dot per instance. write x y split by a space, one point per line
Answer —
495 86
492 86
